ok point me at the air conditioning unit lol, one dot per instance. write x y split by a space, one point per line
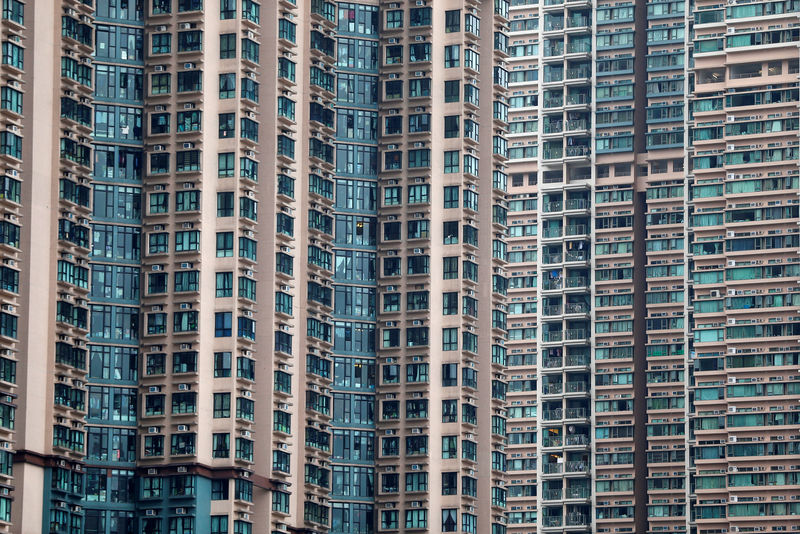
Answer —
183 428
152 430
183 387
159 68
154 389
186 265
150 512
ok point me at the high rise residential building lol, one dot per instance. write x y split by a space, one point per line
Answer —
399 266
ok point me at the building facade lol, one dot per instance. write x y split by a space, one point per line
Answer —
399 266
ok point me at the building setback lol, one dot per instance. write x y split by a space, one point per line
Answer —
399 266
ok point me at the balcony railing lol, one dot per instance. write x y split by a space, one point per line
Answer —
576 466
552 310
576 307
578 151
573 282
577 493
576 413
577 520
552 284
553 127
577 124
552 469
553 415
551 258
576 334
553 337
553 102
577 387
578 22
552 494
577 255
579 48
581 72
553 363
578 359
578 99
555 441
553 389
555 231
577 204
550 51
552 521
577 439
553 206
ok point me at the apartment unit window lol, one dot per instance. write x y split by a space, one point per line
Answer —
161 43
420 16
187 160
227 125
250 50
227 10
393 90
226 165
189 5
227 46
227 85
452 56
251 11
160 84
452 21
191 41
224 244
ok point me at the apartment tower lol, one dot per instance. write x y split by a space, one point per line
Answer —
396 266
